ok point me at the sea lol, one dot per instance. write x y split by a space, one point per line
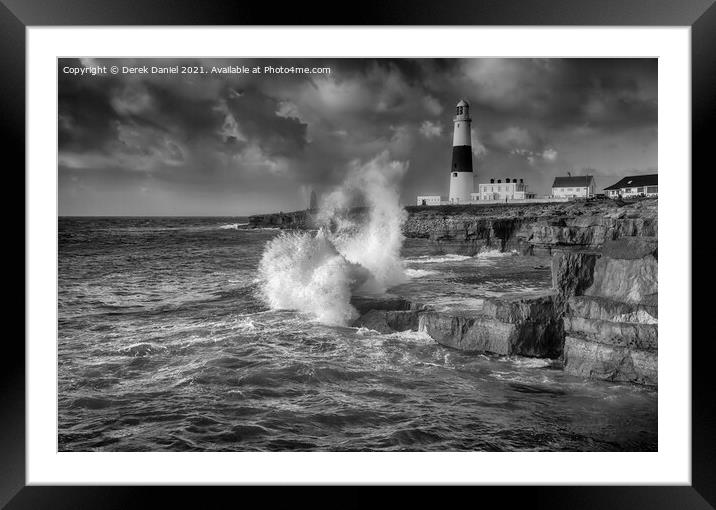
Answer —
168 342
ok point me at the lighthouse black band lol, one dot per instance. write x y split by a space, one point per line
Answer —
461 159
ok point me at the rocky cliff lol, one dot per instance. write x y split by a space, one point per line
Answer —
302 220
531 228
299 220
610 310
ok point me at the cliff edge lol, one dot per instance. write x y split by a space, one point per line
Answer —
531 229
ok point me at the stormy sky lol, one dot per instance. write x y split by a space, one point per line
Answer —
245 143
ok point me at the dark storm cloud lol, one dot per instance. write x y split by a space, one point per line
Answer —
599 92
240 143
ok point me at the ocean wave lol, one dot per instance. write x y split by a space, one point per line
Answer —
417 337
492 254
142 349
232 226
432 259
527 362
245 325
418 273
318 273
299 271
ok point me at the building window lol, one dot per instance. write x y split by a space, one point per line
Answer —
652 189
454 174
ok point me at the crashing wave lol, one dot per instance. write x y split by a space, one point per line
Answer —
317 273
232 226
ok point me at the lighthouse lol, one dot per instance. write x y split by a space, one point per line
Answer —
461 176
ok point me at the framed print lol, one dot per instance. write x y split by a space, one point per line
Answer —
419 249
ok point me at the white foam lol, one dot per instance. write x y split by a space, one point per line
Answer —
245 325
418 337
492 254
376 242
418 273
432 259
300 271
527 362
317 273
232 226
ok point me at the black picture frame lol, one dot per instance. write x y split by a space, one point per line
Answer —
700 15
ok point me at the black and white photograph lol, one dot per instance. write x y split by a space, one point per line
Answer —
357 254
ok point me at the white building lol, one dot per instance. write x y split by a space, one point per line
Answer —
429 200
634 186
510 189
573 186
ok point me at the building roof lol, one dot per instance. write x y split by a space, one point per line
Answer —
463 103
636 181
576 180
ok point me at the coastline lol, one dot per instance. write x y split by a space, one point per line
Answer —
600 318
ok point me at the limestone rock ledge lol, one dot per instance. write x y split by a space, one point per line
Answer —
611 313
517 325
596 360
387 314
389 321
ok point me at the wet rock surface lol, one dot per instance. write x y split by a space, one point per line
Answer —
474 334
509 331
389 321
517 325
365 304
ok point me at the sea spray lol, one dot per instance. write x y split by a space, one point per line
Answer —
318 273
373 242
303 271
